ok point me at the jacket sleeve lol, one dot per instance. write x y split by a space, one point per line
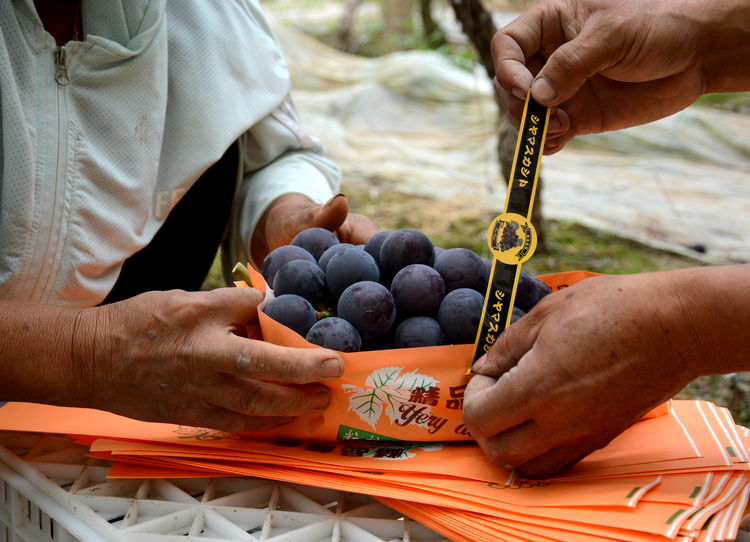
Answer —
277 157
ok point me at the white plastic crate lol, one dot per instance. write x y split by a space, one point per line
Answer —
50 491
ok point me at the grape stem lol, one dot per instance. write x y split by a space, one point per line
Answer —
241 272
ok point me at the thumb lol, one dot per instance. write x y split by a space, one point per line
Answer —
511 346
331 215
570 66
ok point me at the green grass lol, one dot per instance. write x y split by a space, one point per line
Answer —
738 102
215 278
463 223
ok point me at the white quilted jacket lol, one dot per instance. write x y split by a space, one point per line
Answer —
101 138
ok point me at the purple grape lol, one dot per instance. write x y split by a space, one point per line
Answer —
315 240
405 247
516 315
488 267
328 254
292 311
544 290
369 307
417 290
417 332
277 258
336 334
461 268
527 293
438 252
302 278
459 315
373 244
348 267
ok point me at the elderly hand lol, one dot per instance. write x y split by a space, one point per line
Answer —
291 214
179 357
606 65
588 361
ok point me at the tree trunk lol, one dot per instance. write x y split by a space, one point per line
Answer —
397 16
345 28
432 33
477 24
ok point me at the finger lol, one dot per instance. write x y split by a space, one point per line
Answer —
222 419
492 405
553 460
331 215
297 213
514 446
559 123
510 347
569 66
561 134
358 229
267 399
533 451
509 60
536 452
237 306
258 360
553 146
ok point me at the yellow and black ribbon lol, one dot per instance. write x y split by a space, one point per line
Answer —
511 236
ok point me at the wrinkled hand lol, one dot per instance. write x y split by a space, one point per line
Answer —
177 357
610 65
577 370
291 214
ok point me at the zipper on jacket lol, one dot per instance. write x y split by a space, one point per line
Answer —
61 75
45 267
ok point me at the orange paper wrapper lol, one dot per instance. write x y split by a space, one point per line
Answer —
410 394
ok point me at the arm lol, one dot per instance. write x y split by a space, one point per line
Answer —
607 65
590 360
173 357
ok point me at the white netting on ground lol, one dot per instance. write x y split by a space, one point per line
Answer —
416 122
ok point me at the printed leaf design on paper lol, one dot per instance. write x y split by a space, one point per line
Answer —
387 387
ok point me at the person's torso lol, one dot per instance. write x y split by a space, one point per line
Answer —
101 138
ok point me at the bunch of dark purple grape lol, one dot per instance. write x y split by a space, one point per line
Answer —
396 291
509 238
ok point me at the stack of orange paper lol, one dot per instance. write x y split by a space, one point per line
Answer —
681 476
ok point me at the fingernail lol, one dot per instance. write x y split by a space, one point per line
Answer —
322 400
479 363
285 421
551 144
518 93
555 126
508 467
330 368
334 198
543 91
